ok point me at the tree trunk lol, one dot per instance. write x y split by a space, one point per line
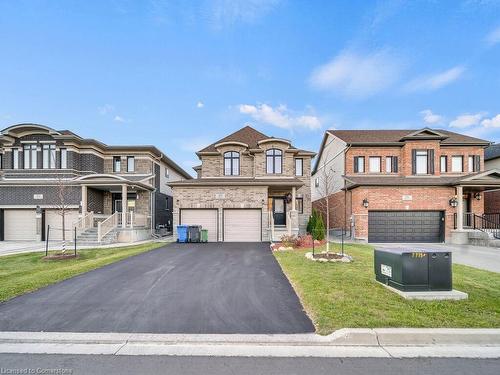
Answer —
327 225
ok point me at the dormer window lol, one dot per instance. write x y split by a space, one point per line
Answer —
231 163
274 161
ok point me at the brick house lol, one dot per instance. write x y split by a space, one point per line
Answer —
492 161
403 185
37 163
249 188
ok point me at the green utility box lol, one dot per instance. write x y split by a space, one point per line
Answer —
204 235
414 270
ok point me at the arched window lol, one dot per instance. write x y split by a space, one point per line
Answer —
274 161
231 163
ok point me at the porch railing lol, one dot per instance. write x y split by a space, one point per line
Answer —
488 223
85 222
137 220
106 226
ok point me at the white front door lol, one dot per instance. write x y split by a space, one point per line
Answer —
20 225
206 218
242 225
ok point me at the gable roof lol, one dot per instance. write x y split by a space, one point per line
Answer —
399 136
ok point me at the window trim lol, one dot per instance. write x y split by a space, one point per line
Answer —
276 153
15 158
128 165
30 154
316 182
119 160
426 161
462 158
49 150
63 161
357 165
301 167
445 158
231 159
370 158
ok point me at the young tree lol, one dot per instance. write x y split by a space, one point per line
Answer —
62 207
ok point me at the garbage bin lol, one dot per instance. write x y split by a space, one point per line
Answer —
182 233
204 235
410 269
194 233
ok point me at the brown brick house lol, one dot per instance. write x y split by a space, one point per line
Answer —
492 161
250 187
403 185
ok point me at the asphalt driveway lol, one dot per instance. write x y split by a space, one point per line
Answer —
195 288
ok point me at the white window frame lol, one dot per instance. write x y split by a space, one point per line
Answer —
130 160
30 156
64 158
361 164
470 165
374 168
456 168
316 182
15 158
117 164
299 167
49 156
443 164
421 156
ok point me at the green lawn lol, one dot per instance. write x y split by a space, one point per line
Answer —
343 295
23 273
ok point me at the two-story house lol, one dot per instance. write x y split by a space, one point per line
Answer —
116 191
250 188
403 185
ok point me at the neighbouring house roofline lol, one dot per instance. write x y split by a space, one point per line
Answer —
66 135
239 181
492 152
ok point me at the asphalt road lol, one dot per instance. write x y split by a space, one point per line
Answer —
195 288
123 365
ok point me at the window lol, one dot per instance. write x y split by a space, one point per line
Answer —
421 162
474 163
375 162
299 205
444 164
64 158
391 164
49 156
1 161
130 164
117 164
299 167
359 164
231 163
316 182
274 161
457 163
30 157
167 173
15 158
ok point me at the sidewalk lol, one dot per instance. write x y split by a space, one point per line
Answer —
354 343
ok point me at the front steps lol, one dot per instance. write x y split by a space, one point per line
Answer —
89 238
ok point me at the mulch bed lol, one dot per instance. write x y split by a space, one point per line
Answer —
61 256
328 256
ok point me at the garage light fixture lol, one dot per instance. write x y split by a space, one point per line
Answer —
453 202
365 203
477 196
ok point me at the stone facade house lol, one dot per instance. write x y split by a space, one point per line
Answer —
250 187
404 185
39 165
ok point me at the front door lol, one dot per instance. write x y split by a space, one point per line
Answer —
279 211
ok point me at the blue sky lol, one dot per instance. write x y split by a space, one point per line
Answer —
182 74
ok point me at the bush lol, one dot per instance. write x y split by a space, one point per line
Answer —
311 224
289 240
319 230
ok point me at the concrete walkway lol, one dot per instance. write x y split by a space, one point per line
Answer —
486 258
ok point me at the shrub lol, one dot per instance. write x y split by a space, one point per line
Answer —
319 230
288 240
311 224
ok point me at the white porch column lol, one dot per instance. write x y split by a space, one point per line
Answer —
294 198
460 208
124 206
84 200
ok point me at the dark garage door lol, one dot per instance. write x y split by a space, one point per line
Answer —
405 226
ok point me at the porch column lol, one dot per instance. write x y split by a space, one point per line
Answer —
460 208
124 206
294 198
84 200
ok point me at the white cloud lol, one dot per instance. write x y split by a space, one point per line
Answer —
105 109
430 117
231 12
200 104
118 119
467 120
493 37
356 75
280 116
435 81
493 122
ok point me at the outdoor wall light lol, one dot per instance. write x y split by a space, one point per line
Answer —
453 202
477 196
288 198
365 203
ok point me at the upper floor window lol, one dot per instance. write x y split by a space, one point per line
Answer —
316 182
49 156
1 161
130 164
299 167
167 173
375 164
391 164
274 161
443 163
231 163
64 158
457 163
117 164
15 158
30 156
423 161
474 163
359 164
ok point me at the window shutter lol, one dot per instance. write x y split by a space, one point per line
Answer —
413 161
477 163
430 161
395 164
356 164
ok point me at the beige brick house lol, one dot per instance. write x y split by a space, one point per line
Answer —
405 185
250 188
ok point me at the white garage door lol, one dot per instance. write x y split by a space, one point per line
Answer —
242 225
54 219
206 218
19 225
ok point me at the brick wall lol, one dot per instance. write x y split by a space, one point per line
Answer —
24 195
95 200
492 202
337 208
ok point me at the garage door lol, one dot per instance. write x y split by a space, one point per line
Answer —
20 225
54 219
242 225
206 218
405 226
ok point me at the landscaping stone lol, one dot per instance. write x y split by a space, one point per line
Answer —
317 257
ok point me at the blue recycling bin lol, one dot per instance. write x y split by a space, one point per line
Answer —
182 233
